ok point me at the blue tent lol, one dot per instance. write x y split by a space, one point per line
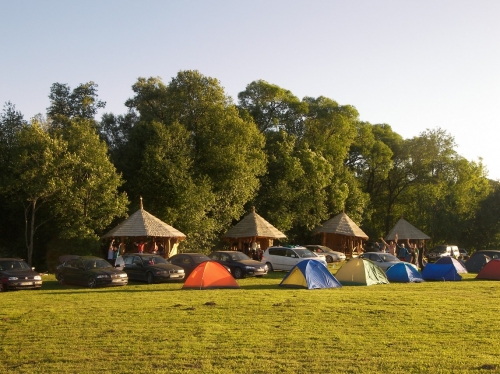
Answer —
459 265
403 272
310 274
441 272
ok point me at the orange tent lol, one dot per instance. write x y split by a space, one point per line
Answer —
210 274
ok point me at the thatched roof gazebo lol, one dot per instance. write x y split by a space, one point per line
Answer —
340 233
252 228
405 231
142 226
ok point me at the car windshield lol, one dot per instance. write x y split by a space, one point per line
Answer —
304 253
199 259
14 265
238 256
154 260
439 250
97 263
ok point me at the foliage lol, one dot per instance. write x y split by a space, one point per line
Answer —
220 154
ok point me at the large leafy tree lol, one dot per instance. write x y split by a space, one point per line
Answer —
273 108
38 173
220 154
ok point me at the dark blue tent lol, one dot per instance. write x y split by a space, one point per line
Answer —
403 272
459 265
441 272
310 274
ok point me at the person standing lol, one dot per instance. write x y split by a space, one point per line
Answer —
391 248
111 253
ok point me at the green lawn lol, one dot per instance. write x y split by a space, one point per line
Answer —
439 327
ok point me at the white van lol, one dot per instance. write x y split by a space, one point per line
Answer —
284 258
443 251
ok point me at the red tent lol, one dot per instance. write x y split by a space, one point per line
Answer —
490 271
210 274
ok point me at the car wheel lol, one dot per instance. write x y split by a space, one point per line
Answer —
3 287
238 273
269 266
149 278
60 278
91 283
329 259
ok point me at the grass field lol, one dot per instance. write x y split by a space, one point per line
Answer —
432 327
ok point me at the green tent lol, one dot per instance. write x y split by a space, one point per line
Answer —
360 272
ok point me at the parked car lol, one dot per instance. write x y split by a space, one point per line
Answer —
16 274
464 255
283 258
90 271
240 264
149 268
330 254
382 260
442 251
189 261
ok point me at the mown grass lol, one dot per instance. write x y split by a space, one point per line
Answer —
438 327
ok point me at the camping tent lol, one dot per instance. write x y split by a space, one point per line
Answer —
403 272
210 274
441 272
341 234
253 228
360 272
490 271
459 266
476 263
310 274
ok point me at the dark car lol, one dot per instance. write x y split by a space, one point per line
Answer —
189 261
150 268
90 271
16 274
240 264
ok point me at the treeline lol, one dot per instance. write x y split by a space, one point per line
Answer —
200 161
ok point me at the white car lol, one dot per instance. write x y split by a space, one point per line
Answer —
284 258
329 254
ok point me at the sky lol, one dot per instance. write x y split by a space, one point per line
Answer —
412 64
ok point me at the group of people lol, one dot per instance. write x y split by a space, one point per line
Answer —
116 249
411 252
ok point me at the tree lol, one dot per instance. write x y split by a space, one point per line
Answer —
90 200
38 173
65 104
223 153
273 108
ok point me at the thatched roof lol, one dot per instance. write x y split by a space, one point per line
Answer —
341 224
405 231
144 224
253 225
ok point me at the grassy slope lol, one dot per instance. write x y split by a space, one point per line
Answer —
261 328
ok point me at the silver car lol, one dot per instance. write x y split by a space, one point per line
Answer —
330 254
383 260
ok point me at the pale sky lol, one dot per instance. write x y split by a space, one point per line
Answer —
414 65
